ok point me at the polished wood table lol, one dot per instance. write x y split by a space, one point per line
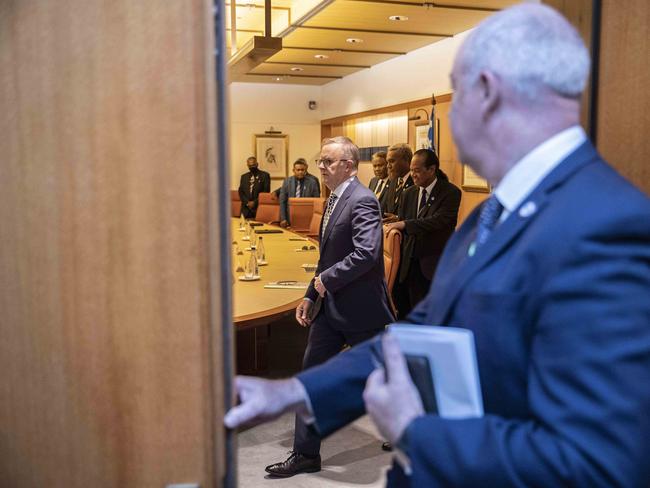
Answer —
255 307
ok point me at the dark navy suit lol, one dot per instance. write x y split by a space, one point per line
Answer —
351 267
559 302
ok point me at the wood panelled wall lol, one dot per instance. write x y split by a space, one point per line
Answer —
449 161
107 172
623 122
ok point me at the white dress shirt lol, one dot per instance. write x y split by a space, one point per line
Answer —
529 171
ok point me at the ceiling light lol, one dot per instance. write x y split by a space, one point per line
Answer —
354 40
398 17
296 68
278 78
321 56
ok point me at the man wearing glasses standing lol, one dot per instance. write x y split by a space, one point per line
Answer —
347 301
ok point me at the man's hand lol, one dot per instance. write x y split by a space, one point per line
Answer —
302 312
401 225
263 400
320 288
284 224
251 204
395 403
389 217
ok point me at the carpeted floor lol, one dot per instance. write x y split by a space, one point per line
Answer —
351 457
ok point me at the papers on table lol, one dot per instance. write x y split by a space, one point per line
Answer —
451 357
287 284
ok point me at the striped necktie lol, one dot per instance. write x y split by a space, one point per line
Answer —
423 200
298 188
328 211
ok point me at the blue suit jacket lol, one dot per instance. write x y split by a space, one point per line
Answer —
559 302
311 188
351 264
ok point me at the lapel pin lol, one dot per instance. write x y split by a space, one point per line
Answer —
527 209
472 249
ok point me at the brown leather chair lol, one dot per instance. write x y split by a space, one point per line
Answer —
392 257
300 213
235 203
268 208
317 216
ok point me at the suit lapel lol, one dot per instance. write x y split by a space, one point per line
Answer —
461 268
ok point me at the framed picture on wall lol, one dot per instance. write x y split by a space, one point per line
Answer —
473 182
272 153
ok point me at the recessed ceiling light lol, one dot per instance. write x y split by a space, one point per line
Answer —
354 40
398 17
278 78
296 68
321 56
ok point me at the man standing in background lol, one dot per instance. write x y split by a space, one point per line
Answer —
427 218
300 185
399 160
379 183
251 185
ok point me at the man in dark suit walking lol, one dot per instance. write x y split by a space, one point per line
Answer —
551 274
379 183
399 160
300 185
427 218
349 283
251 185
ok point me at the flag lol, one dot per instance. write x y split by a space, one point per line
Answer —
432 125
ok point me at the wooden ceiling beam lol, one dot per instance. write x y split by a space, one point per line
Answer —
333 49
430 4
361 66
284 75
372 31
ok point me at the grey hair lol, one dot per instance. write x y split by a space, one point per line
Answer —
530 47
403 151
350 148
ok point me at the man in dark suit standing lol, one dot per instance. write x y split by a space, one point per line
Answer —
551 274
399 160
379 183
349 282
427 218
300 185
251 185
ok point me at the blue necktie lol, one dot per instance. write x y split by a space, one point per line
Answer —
487 220
299 189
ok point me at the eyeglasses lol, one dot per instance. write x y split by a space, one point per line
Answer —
329 162
308 248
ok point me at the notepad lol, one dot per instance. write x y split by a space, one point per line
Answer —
288 285
451 357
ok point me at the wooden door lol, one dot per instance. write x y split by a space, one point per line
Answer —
110 278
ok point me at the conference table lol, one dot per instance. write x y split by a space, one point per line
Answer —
255 306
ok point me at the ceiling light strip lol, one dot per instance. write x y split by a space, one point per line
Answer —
316 10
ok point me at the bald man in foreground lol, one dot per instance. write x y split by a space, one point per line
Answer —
552 275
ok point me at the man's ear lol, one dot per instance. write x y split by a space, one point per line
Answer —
490 92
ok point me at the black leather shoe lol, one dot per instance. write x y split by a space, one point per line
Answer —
387 446
295 464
